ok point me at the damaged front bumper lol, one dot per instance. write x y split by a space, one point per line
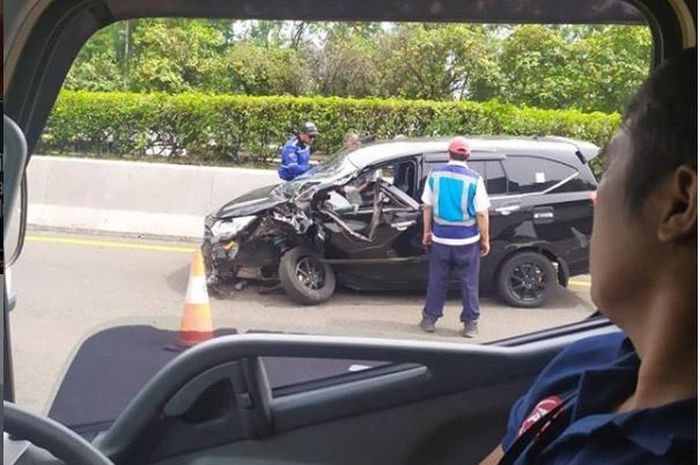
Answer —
220 246
249 247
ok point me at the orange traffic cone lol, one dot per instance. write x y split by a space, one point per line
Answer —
196 324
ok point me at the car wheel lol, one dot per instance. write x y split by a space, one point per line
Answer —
526 279
305 278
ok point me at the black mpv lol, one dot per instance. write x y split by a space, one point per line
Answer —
356 220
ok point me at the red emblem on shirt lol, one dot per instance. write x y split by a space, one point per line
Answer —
541 409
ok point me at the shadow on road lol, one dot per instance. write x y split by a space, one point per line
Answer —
177 280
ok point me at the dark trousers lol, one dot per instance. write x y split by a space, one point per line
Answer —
463 263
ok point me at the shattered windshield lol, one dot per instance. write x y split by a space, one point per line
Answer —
336 167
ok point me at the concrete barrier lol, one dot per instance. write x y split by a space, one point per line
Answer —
132 198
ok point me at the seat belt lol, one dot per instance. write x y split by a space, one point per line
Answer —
542 432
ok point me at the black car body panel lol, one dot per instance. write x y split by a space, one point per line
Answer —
541 193
253 202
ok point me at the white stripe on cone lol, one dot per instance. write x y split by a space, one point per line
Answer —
197 291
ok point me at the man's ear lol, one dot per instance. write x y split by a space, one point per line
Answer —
679 213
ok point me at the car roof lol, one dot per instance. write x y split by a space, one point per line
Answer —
482 147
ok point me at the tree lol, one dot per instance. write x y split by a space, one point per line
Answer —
174 55
612 63
439 63
535 63
345 67
254 70
564 66
99 72
100 63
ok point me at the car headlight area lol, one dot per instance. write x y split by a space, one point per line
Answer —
228 228
220 246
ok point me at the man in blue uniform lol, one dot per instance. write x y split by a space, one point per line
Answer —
296 152
630 398
456 226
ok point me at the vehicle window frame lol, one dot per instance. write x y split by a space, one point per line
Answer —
431 160
34 121
544 191
413 159
487 177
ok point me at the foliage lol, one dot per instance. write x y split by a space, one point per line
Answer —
254 70
175 55
233 128
344 67
574 66
438 63
589 68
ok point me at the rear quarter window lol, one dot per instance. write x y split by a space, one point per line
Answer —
491 171
530 174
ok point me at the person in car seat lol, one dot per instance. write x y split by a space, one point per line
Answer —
296 152
631 397
456 224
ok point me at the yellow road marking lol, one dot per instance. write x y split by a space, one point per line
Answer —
111 244
160 248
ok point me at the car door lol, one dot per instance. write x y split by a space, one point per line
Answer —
505 209
550 213
426 404
376 249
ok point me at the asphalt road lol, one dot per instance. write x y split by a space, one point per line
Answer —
70 287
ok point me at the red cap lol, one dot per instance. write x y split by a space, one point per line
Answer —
460 145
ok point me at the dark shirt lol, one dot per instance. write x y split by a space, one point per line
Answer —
600 373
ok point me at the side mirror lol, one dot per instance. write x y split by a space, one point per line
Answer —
14 209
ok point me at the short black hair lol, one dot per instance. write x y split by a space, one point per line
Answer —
458 156
662 122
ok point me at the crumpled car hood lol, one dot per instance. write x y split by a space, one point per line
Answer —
253 202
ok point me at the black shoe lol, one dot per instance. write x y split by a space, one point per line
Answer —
471 328
427 324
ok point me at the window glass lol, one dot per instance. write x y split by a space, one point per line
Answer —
496 181
195 152
529 174
479 167
403 176
583 182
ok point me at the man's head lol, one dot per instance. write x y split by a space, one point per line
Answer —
459 149
351 141
308 133
645 223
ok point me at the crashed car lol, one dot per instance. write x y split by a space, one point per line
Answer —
356 220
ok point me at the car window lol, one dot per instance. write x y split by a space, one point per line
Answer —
190 163
496 181
491 171
401 174
529 174
585 181
479 167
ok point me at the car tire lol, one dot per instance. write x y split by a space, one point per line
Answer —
526 280
305 278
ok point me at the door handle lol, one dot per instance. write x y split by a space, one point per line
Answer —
507 209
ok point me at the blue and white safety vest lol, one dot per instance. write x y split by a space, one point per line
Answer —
295 159
453 189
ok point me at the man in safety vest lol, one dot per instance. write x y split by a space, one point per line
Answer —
456 227
297 152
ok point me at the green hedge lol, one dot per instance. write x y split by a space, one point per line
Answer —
230 129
